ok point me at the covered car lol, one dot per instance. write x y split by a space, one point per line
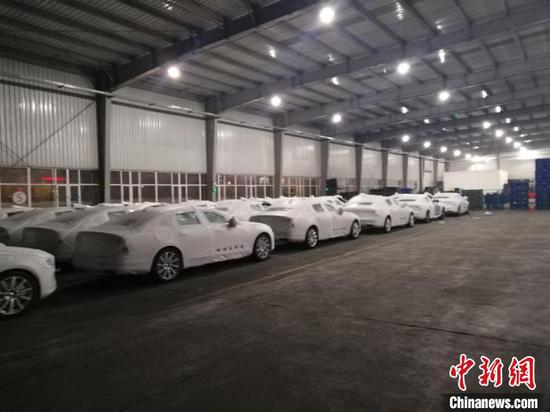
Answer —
165 240
58 236
308 220
11 228
380 211
423 206
12 211
453 202
26 276
242 209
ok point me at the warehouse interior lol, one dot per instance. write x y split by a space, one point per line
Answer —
170 101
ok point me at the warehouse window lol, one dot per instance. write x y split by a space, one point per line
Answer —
301 186
47 187
238 186
166 187
367 184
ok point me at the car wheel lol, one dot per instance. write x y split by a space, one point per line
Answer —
355 230
387 225
262 247
410 223
312 238
428 218
458 211
442 215
167 265
19 292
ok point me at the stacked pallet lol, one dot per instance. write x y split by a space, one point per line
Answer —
519 192
542 183
494 201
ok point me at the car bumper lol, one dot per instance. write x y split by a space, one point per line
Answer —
47 281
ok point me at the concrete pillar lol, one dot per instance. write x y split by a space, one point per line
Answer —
405 170
324 165
421 177
278 146
211 172
358 167
384 154
498 161
435 169
103 121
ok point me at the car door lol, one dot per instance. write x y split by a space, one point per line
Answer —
396 212
323 220
339 224
193 239
227 242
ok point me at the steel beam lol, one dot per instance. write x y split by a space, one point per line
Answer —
422 47
211 132
278 139
103 121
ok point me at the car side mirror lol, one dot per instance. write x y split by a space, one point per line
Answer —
340 210
232 222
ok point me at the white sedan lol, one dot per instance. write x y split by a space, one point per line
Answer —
423 206
453 202
380 211
242 209
308 220
11 228
26 276
163 241
58 236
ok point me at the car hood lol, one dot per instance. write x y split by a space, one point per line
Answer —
21 252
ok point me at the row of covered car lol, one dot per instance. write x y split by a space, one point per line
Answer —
162 239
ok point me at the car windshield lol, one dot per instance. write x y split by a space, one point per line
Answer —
361 204
407 200
278 209
134 220
223 209
23 217
442 197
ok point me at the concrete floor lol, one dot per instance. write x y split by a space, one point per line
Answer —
372 324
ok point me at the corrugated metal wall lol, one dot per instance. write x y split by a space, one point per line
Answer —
413 174
341 161
148 140
43 128
301 157
161 99
440 171
395 169
372 167
242 150
428 178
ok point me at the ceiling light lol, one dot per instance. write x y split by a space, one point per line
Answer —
427 121
484 94
509 140
330 57
528 141
327 14
405 138
517 145
476 147
403 68
523 135
173 72
508 120
442 55
335 81
499 133
443 149
498 109
444 95
404 110
467 156
486 124
523 150
167 6
276 101
516 128
272 52
336 118
457 153
427 144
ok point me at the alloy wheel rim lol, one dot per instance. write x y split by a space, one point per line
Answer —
355 230
388 225
263 247
168 265
411 220
312 237
16 295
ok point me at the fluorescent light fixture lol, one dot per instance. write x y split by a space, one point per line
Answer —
484 94
330 57
442 55
499 133
272 52
276 101
457 153
517 145
327 14
427 121
439 26
405 138
516 128
523 135
173 72
404 109
509 140
444 95
486 125
498 109
443 149
336 118
335 81
403 68
427 144
508 120
467 156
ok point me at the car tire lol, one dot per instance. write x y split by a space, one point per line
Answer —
458 211
442 215
410 223
312 238
355 230
167 265
387 225
19 292
262 247
427 218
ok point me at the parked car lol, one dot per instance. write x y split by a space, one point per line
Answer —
165 240
242 209
453 202
423 206
12 211
58 236
11 228
380 211
308 220
335 200
26 276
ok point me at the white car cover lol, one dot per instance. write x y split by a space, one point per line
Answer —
11 228
58 236
452 202
291 218
11 211
423 206
380 211
242 209
130 244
